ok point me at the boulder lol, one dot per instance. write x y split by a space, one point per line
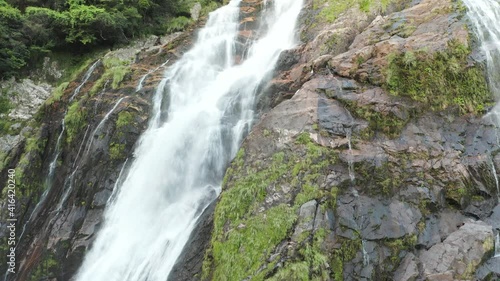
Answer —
460 253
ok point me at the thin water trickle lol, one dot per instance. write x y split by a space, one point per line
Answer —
86 77
112 197
68 187
350 156
99 97
81 146
99 126
495 176
141 81
180 160
366 257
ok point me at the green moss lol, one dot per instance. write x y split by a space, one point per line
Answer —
347 252
396 246
379 179
240 204
115 71
440 80
74 120
116 151
332 9
46 269
57 93
241 252
386 123
124 118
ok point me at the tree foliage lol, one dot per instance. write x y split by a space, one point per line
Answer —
31 29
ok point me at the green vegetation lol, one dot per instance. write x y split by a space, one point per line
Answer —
387 123
124 119
115 71
332 9
74 120
32 30
116 151
244 236
57 93
243 249
5 107
440 80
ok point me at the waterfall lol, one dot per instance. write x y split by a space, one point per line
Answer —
181 158
485 18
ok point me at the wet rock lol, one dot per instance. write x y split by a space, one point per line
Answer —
189 264
307 213
481 209
430 235
494 218
407 270
460 253
420 26
490 270
375 219
101 198
287 59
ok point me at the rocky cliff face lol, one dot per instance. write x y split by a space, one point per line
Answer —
366 168
371 160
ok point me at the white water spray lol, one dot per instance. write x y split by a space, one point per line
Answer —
181 158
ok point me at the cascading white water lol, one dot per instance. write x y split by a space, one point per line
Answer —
485 17
181 158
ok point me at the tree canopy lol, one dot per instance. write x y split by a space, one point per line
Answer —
30 29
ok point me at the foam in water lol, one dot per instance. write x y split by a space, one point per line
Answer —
181 158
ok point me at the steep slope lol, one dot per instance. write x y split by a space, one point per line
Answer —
371 161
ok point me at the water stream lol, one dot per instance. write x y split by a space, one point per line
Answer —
86 77
202 109
485 18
